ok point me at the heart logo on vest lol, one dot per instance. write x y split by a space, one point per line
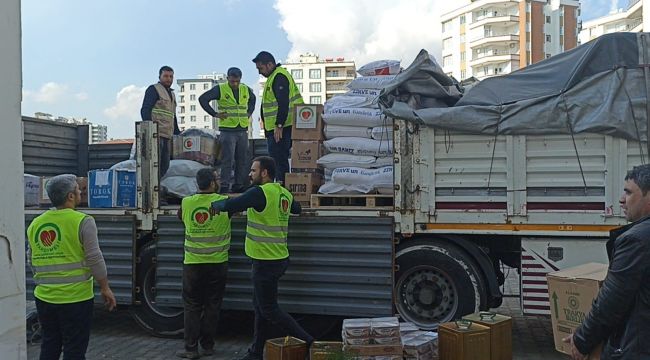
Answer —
47 237
284 205
306 114
201 217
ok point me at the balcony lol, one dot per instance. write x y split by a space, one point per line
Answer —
336 89
494 57
495 38
339 75
494 18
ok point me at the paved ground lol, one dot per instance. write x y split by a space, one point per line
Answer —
116 336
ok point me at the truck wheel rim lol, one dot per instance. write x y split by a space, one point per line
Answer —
426 297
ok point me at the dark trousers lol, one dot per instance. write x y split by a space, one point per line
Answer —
203 288
64 327
268 314
234 147
165 154
280 152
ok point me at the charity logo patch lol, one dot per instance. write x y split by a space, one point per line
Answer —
200 216
188 143
48 237
306 114
284 204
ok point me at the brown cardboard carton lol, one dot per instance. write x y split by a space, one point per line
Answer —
303 185
571 293
305 153
308 122
43 198
83 187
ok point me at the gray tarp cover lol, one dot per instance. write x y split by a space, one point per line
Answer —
598 87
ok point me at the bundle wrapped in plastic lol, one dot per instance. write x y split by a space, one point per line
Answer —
201 145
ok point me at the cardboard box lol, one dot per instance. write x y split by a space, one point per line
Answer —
202 149
111 188
571 293
83 187
305 153
303 185
32 189
44 199
308 122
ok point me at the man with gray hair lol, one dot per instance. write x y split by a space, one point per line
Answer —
235 102
620 315
65 257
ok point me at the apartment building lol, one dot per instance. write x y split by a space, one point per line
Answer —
319 79
488 38
189 111
96 132
628 19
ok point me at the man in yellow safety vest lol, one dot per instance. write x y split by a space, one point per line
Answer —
267 206
205 264
64 256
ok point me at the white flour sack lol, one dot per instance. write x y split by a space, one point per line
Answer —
351 116
334 131
384 178
371 82
383 161
359 146
380 67
382 133
344 101
333 188
337 160
354 176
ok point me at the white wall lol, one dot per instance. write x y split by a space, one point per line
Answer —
12 238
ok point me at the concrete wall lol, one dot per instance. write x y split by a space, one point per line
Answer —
12 238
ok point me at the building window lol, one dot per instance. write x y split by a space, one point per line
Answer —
182 119
446 43
462 19
182 88
182 98
206 127
333 73
548 19
462 56
192 97
314 87
299 85
206 118
446 26
548 38
296 74
182 109
314 74
314 99
192 118
192 86
192 107
462 38
463 74
447 60
206 86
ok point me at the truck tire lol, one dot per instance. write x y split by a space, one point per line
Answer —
158 320
436 282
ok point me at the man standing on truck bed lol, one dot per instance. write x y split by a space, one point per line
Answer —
267 206
64 255
236 103
159 105
205 265
620 315
278 99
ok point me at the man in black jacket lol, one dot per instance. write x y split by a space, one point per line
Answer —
620 315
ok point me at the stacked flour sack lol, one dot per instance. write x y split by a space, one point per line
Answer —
359 138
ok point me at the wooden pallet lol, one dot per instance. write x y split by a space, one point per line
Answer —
363 201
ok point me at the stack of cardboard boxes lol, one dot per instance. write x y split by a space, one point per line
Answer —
307 135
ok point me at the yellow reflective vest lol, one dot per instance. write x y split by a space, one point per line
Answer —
237 109
207 237
270 103
266 231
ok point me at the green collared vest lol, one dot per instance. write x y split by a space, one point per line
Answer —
58 259
207 238
266 231
163 111
237 111
270 103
